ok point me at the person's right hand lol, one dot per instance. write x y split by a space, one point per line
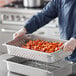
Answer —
19 33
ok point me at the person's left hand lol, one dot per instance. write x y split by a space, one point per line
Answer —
70 45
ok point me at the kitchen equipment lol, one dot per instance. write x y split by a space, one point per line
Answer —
17 13
14 48
16 16
33 3
29 67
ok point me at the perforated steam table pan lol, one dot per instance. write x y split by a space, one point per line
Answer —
14 48
27 67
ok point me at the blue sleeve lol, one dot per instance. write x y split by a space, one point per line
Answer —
48 13
74 35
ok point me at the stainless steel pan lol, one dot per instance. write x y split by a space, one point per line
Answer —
33 3
14 48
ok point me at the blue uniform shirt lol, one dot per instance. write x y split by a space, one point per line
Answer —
65 10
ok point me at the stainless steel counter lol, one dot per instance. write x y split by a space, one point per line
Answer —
4 72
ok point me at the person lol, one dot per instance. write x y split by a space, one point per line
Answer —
65 10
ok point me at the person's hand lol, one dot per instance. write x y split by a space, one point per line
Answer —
19 33
70 45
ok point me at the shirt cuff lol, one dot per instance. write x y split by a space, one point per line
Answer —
28 29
